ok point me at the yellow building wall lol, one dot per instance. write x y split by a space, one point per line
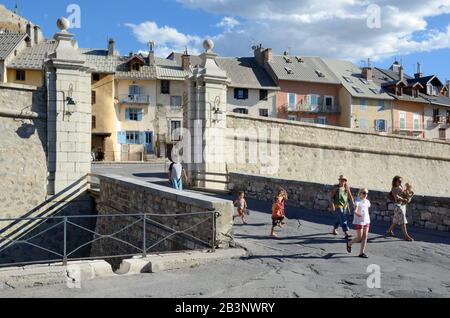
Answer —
371 113
32 77
345 99
106 118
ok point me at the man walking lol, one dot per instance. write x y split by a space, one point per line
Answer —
176 175
341 196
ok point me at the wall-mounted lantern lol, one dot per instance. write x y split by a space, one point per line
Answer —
69 102
217 114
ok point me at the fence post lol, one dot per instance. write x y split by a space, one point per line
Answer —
65 242
144 237
214 232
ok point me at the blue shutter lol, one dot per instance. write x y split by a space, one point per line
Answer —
141 138
127 114
122 137
140 114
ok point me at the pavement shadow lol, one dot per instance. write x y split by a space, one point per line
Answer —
299 256
325 218
156 175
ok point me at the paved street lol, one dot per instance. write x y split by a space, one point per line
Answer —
304 261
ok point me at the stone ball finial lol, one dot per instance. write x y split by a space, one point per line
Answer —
208 45
63 24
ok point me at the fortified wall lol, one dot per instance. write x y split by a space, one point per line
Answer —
308 153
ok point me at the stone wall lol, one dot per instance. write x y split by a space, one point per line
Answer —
320 154
124 196
424 211
23 161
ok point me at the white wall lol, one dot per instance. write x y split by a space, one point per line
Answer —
432 129
253 104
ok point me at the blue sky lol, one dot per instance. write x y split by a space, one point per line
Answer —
410 30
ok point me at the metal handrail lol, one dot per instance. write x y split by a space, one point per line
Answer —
140 218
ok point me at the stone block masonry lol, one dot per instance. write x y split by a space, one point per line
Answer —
424 211
23 162
119 195
320 154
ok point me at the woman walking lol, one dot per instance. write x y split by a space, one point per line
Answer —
400 202
361 223
341 196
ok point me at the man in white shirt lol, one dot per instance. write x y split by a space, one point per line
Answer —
176 175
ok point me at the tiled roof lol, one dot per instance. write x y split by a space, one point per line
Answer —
32 58
437 100
305 69
246 73
384 76
353 80
8 42
177 57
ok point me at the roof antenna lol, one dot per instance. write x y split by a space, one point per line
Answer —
16 9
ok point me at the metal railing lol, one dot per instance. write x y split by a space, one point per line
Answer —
313 108
134 99
66 250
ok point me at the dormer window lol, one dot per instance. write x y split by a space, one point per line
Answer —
135 67
415 93
287 59
289 71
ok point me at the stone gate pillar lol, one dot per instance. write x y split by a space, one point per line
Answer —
206 122
69 113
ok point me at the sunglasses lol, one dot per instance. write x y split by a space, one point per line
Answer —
364 193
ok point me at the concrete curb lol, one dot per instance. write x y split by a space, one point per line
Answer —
75 273
172 261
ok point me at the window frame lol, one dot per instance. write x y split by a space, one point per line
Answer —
177 97
165 87
401 116
363 105
377 125
136 137
172 129
134 114
416 117
265 111
263 95
241 110
21 75
324 119
289 101
238 91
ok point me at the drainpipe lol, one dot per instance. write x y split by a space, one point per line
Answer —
20 114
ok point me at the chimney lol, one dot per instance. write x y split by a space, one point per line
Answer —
268 55
262 55
29 30
151 52
419 73
186 61
111 47
448 89
37 34
368 71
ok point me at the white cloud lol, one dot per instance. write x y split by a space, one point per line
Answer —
336 29
228 23
167 39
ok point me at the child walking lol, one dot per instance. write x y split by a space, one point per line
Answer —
241 205
361 222
278 211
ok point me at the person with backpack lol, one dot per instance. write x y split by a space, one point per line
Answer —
176 175
399 201
341 196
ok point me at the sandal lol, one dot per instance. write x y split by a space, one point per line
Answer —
409 239
363 256
390 234
349 247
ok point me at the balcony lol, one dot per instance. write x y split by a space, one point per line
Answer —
313 108
134 99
